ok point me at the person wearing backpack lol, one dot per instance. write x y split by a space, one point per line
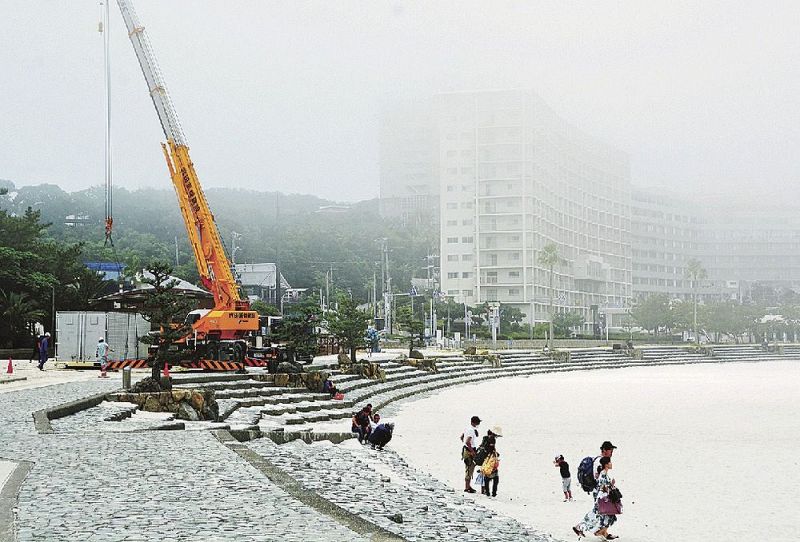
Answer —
491 464
587 478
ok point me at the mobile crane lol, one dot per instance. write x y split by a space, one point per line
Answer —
222 333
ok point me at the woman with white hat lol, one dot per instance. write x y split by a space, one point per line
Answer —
491 464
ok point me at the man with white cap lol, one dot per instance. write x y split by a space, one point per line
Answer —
102 356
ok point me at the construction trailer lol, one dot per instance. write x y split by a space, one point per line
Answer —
77 333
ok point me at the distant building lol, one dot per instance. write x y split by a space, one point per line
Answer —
258 279
515 177
109 270
665 235
409 183
741 245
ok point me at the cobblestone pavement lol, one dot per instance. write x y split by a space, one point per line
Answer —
379 484
173 485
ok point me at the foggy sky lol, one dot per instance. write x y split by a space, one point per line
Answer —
287 95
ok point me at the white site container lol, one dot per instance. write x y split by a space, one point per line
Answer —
77 333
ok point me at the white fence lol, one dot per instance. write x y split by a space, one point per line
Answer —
77 333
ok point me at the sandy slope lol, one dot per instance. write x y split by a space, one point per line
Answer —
706 452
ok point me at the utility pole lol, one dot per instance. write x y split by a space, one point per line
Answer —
177 262
374 296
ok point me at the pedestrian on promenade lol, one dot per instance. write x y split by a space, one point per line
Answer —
44 344
491 464
591 519
469 438
101 352
381 435
34 347
566 477
605 484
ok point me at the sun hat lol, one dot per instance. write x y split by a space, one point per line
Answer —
497 430
607 445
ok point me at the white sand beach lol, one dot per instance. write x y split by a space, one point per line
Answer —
705 452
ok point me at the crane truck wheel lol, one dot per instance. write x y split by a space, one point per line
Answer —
238 353
212 350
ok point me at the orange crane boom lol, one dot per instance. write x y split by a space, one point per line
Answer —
231 318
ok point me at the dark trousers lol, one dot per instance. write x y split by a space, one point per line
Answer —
42 359
486 481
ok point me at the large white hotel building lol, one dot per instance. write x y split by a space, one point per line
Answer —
515 177
502 176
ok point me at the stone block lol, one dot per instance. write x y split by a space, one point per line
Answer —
151 404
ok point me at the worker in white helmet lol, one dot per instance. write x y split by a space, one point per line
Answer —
102 356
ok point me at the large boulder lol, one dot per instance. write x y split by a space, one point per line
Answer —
187 412
197 400
470 351
416 354
146 385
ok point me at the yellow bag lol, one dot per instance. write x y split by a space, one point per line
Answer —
489 465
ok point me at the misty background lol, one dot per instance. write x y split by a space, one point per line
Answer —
289 96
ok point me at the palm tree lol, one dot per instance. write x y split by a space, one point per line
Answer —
696 272
18 312
549 258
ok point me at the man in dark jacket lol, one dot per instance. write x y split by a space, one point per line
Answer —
381 436
44 344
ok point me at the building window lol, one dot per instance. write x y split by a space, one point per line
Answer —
452 222
452 205
466 239
453 275
466 275
466 293
452 292
513 274
451 187
452 240
514 256
466 257
452 257
513 291
467 222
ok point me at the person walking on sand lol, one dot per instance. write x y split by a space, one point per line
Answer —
44 344
101 352
591 519
469 438
605 483
566 477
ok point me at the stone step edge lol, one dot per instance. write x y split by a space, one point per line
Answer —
299 492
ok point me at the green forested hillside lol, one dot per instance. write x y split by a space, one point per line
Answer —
286 228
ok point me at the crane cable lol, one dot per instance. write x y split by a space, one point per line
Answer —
103 28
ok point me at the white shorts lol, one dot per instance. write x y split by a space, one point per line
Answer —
566 483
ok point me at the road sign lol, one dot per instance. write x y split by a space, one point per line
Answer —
413 291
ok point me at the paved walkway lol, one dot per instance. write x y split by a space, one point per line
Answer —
142 486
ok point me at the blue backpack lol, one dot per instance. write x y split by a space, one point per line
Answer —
586 474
